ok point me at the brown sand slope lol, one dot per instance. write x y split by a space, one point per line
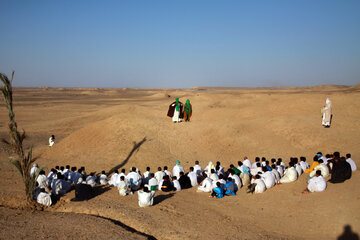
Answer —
98 128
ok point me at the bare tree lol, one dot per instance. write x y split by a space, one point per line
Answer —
24 161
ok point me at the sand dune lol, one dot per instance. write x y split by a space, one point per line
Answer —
98 128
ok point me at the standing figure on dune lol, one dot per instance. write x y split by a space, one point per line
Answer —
187 111
327 113
176 111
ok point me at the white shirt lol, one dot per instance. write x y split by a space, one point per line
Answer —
304 165
269 179
113 179
176 171
206 185
44 199
193 178
33 171
42 181
103 179
145 198
133 178
316 184
247 163
153 182
323 168
176 185
255 171
197 169
237 180
91 180
276 174
214 176
159 175
167 172
260 185
280 170
298 169
290 175
51 141
123 188
254 165
352 164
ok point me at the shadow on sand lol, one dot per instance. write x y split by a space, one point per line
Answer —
136 147
85 192
159 198
348 234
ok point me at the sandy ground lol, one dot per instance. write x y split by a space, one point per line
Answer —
104 128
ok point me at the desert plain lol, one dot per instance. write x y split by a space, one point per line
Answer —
106 128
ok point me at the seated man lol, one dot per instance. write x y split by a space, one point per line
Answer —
176 184
193 177
134 179
351 162
165 185
113 178
257 185
206 184
153 183
316 184
42 180
218 191
323 168
44 198
145 197
103 178
159 175
91 180
268 178
123 187
290 174
341 170
230 187
184 181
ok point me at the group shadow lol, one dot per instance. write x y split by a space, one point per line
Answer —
348 234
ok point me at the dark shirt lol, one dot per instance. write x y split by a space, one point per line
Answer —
185 182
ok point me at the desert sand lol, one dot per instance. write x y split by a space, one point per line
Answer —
104 128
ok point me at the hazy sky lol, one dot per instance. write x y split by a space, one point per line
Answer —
185 43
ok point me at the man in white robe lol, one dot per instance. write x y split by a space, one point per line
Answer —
316 184
123 187
246 162
146 176
304 165
324 169
34 170
91 180
51 140
167 172
44 198
254 165
290 174
256 170
176 184
177 169
351 162
257 185
134 179
268 178
42 180
113 178
208 168
103 178
206 185
153 183
327 113
197 168
276 173
193 177
145 197
159 175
